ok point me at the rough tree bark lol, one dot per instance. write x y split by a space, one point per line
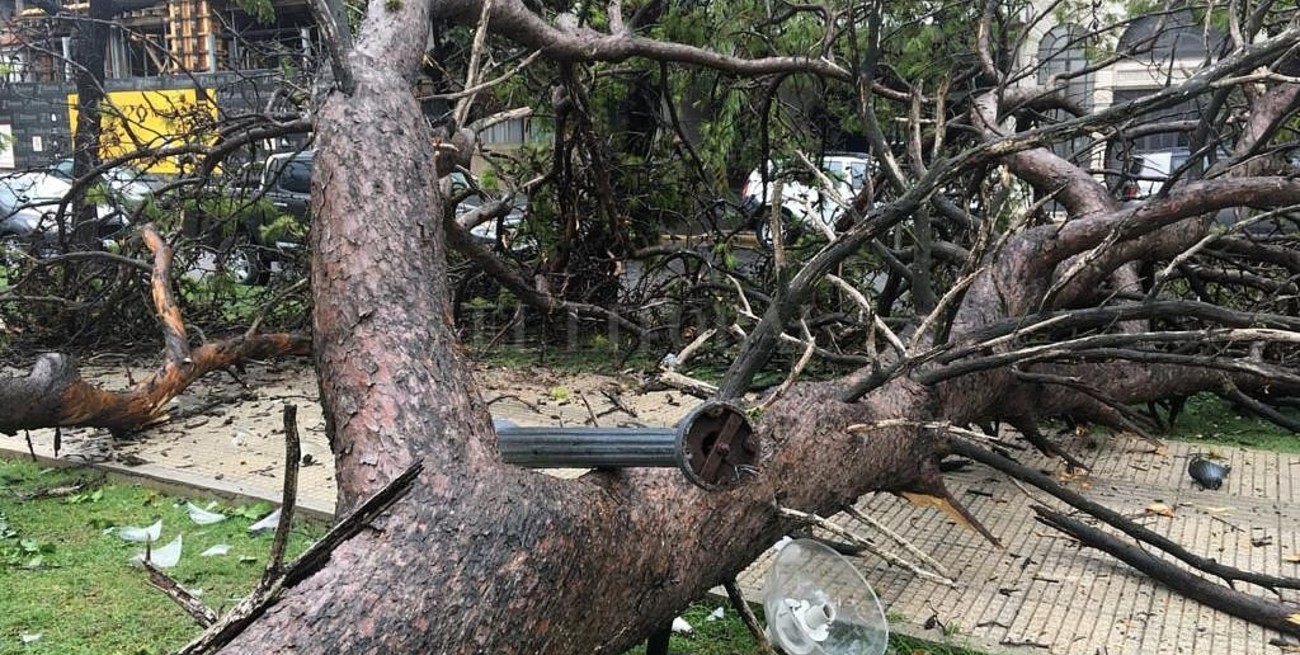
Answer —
483 557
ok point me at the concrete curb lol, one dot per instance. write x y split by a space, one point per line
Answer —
181 483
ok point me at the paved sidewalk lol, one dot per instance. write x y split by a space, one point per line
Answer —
1040 594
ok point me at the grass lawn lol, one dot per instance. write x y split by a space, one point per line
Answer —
67 588
1211 420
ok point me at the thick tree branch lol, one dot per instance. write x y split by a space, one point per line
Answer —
1277 616
53 394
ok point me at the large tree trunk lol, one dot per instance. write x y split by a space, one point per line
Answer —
482 557
486 558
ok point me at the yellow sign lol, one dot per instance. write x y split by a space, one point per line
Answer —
135 121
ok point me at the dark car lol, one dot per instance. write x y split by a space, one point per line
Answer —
258 226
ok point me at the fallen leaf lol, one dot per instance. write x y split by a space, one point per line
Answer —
1160 509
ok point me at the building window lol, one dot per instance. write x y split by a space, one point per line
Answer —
513 132
1168 37
13 64
1062 51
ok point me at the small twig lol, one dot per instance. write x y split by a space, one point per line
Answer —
292 456
828 187
595 421
897 538
873 318
512 396
292 289
745 309
687 384
948 298
1233 526
253 605
31 449
201 614
747 615
945 426
798 367
856 540
619 404
692 347
483 86
461 112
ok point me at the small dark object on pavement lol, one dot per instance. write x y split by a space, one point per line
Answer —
1208 474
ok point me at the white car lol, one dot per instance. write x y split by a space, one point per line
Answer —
29 203
125 182
486 230
803 199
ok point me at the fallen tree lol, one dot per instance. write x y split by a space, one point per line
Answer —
54 395
1041 318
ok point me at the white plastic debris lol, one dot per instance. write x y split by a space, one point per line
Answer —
219 549
680 626
163 558
715 615
31 637
203 516
267 524
149 534
781 543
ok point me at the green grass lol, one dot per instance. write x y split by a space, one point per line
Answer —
729 636
64 579
1211 420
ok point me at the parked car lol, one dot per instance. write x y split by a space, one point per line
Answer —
259 224
489 231
29 204
285 183
803 200
125 183
1148 171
